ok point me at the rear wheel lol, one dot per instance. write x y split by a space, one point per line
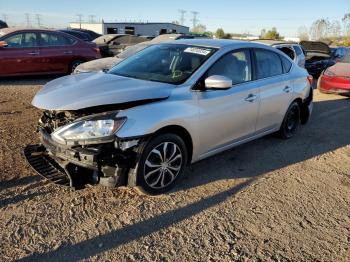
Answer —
74 65
291 121
162 162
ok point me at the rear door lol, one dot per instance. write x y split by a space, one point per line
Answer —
56 52
275 88
21 56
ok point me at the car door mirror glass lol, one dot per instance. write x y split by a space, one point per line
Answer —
218 82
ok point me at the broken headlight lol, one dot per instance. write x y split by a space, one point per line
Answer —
89 129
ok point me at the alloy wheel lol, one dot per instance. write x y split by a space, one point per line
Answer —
162 165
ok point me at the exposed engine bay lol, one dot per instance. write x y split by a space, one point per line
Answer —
102 162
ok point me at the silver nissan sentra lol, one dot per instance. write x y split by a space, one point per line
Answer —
169 105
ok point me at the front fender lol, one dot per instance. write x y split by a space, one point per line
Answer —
147 119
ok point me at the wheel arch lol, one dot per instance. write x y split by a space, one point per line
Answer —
182 133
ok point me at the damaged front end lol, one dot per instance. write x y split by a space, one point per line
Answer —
80 147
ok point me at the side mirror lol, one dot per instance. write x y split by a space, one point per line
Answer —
218 82
3 44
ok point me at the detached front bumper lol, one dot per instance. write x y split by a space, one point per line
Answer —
105 163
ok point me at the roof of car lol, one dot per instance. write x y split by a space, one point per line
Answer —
15 29
274 42
216 43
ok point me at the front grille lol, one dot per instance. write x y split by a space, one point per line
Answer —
46 167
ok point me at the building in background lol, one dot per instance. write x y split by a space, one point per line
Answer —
147 29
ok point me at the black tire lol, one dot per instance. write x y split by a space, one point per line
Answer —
291 122
168 171
73 65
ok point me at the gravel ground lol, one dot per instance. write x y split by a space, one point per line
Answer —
268 200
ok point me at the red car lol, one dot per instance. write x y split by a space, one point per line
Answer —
39 52
336 79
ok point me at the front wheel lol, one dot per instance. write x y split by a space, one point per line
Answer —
291 121
162 162
74 65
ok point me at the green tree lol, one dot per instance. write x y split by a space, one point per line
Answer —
346 22
272 34
220 33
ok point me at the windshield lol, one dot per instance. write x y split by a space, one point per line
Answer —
168 63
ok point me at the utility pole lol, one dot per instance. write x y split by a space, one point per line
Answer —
5 17
80 19
194 19
27 19
92 18
182 16
38 20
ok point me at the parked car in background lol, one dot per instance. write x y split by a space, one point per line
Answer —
113 44
104 64
93 35
3 24
293 50
168 106
81 35
340 53
336 79
318 57
38 51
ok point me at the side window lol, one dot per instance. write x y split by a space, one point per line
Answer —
268 64
14 40
29 40
236 66
286 64
48 39
22 40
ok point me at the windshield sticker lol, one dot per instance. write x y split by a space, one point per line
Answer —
198 51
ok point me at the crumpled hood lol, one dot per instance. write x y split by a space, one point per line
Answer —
81 91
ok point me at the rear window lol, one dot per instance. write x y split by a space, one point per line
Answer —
287 65
268 64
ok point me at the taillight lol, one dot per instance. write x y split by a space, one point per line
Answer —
328 72
97 51
310 79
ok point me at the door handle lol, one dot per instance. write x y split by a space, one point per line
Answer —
67 52
287 89
250 98
34 53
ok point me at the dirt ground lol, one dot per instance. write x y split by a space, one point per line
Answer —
268 200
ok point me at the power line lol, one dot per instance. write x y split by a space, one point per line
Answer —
194 19
5 17
182 16
80 19
27 19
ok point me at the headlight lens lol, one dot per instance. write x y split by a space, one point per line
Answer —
89 129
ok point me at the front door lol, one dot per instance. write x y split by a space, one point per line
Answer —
229 115
22 54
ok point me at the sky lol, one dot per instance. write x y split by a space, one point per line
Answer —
234 16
